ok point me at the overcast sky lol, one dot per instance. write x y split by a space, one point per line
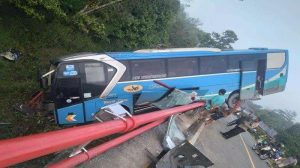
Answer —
259 23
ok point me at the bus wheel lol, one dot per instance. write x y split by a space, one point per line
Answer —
234 100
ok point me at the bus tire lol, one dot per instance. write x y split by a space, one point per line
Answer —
233 98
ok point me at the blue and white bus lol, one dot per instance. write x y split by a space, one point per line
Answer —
83 83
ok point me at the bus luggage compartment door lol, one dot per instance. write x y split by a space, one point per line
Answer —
247 81
70 115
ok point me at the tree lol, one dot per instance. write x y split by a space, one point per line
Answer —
40 8
92 7
68 11
222 41
127 24
291 139
274 119
185 32
44 30
139 23
287 114
282 122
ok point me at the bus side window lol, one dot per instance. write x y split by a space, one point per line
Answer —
126 75
148 69
251 62
213 64
233 62
182 67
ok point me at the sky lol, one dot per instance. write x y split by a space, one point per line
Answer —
259 23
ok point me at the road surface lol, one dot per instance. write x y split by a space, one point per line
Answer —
235 152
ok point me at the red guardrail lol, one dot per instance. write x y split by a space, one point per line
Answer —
91 153
16 150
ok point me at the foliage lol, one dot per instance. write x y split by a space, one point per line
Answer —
143 23
283 122
277 119
40 8
38 42
184 32
217 40
43 30
67 11
291 139
274 119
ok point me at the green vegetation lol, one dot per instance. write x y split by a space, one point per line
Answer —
291 139
283 122
43 30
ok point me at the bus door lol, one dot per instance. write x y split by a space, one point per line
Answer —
260 78
96 78
99 79
247 80
68 94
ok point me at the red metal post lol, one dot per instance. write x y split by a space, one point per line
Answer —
91 153
35 100
16 150
162 84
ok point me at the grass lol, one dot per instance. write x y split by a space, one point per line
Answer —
39 42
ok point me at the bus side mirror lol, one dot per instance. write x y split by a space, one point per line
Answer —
45 80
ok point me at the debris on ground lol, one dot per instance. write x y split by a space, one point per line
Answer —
11 55
184 154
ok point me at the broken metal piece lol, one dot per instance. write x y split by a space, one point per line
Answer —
174 136
111 112
184 155
106 113
182 127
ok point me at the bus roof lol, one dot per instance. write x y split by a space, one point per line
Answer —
152 54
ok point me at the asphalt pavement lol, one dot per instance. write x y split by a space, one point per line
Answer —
235 152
